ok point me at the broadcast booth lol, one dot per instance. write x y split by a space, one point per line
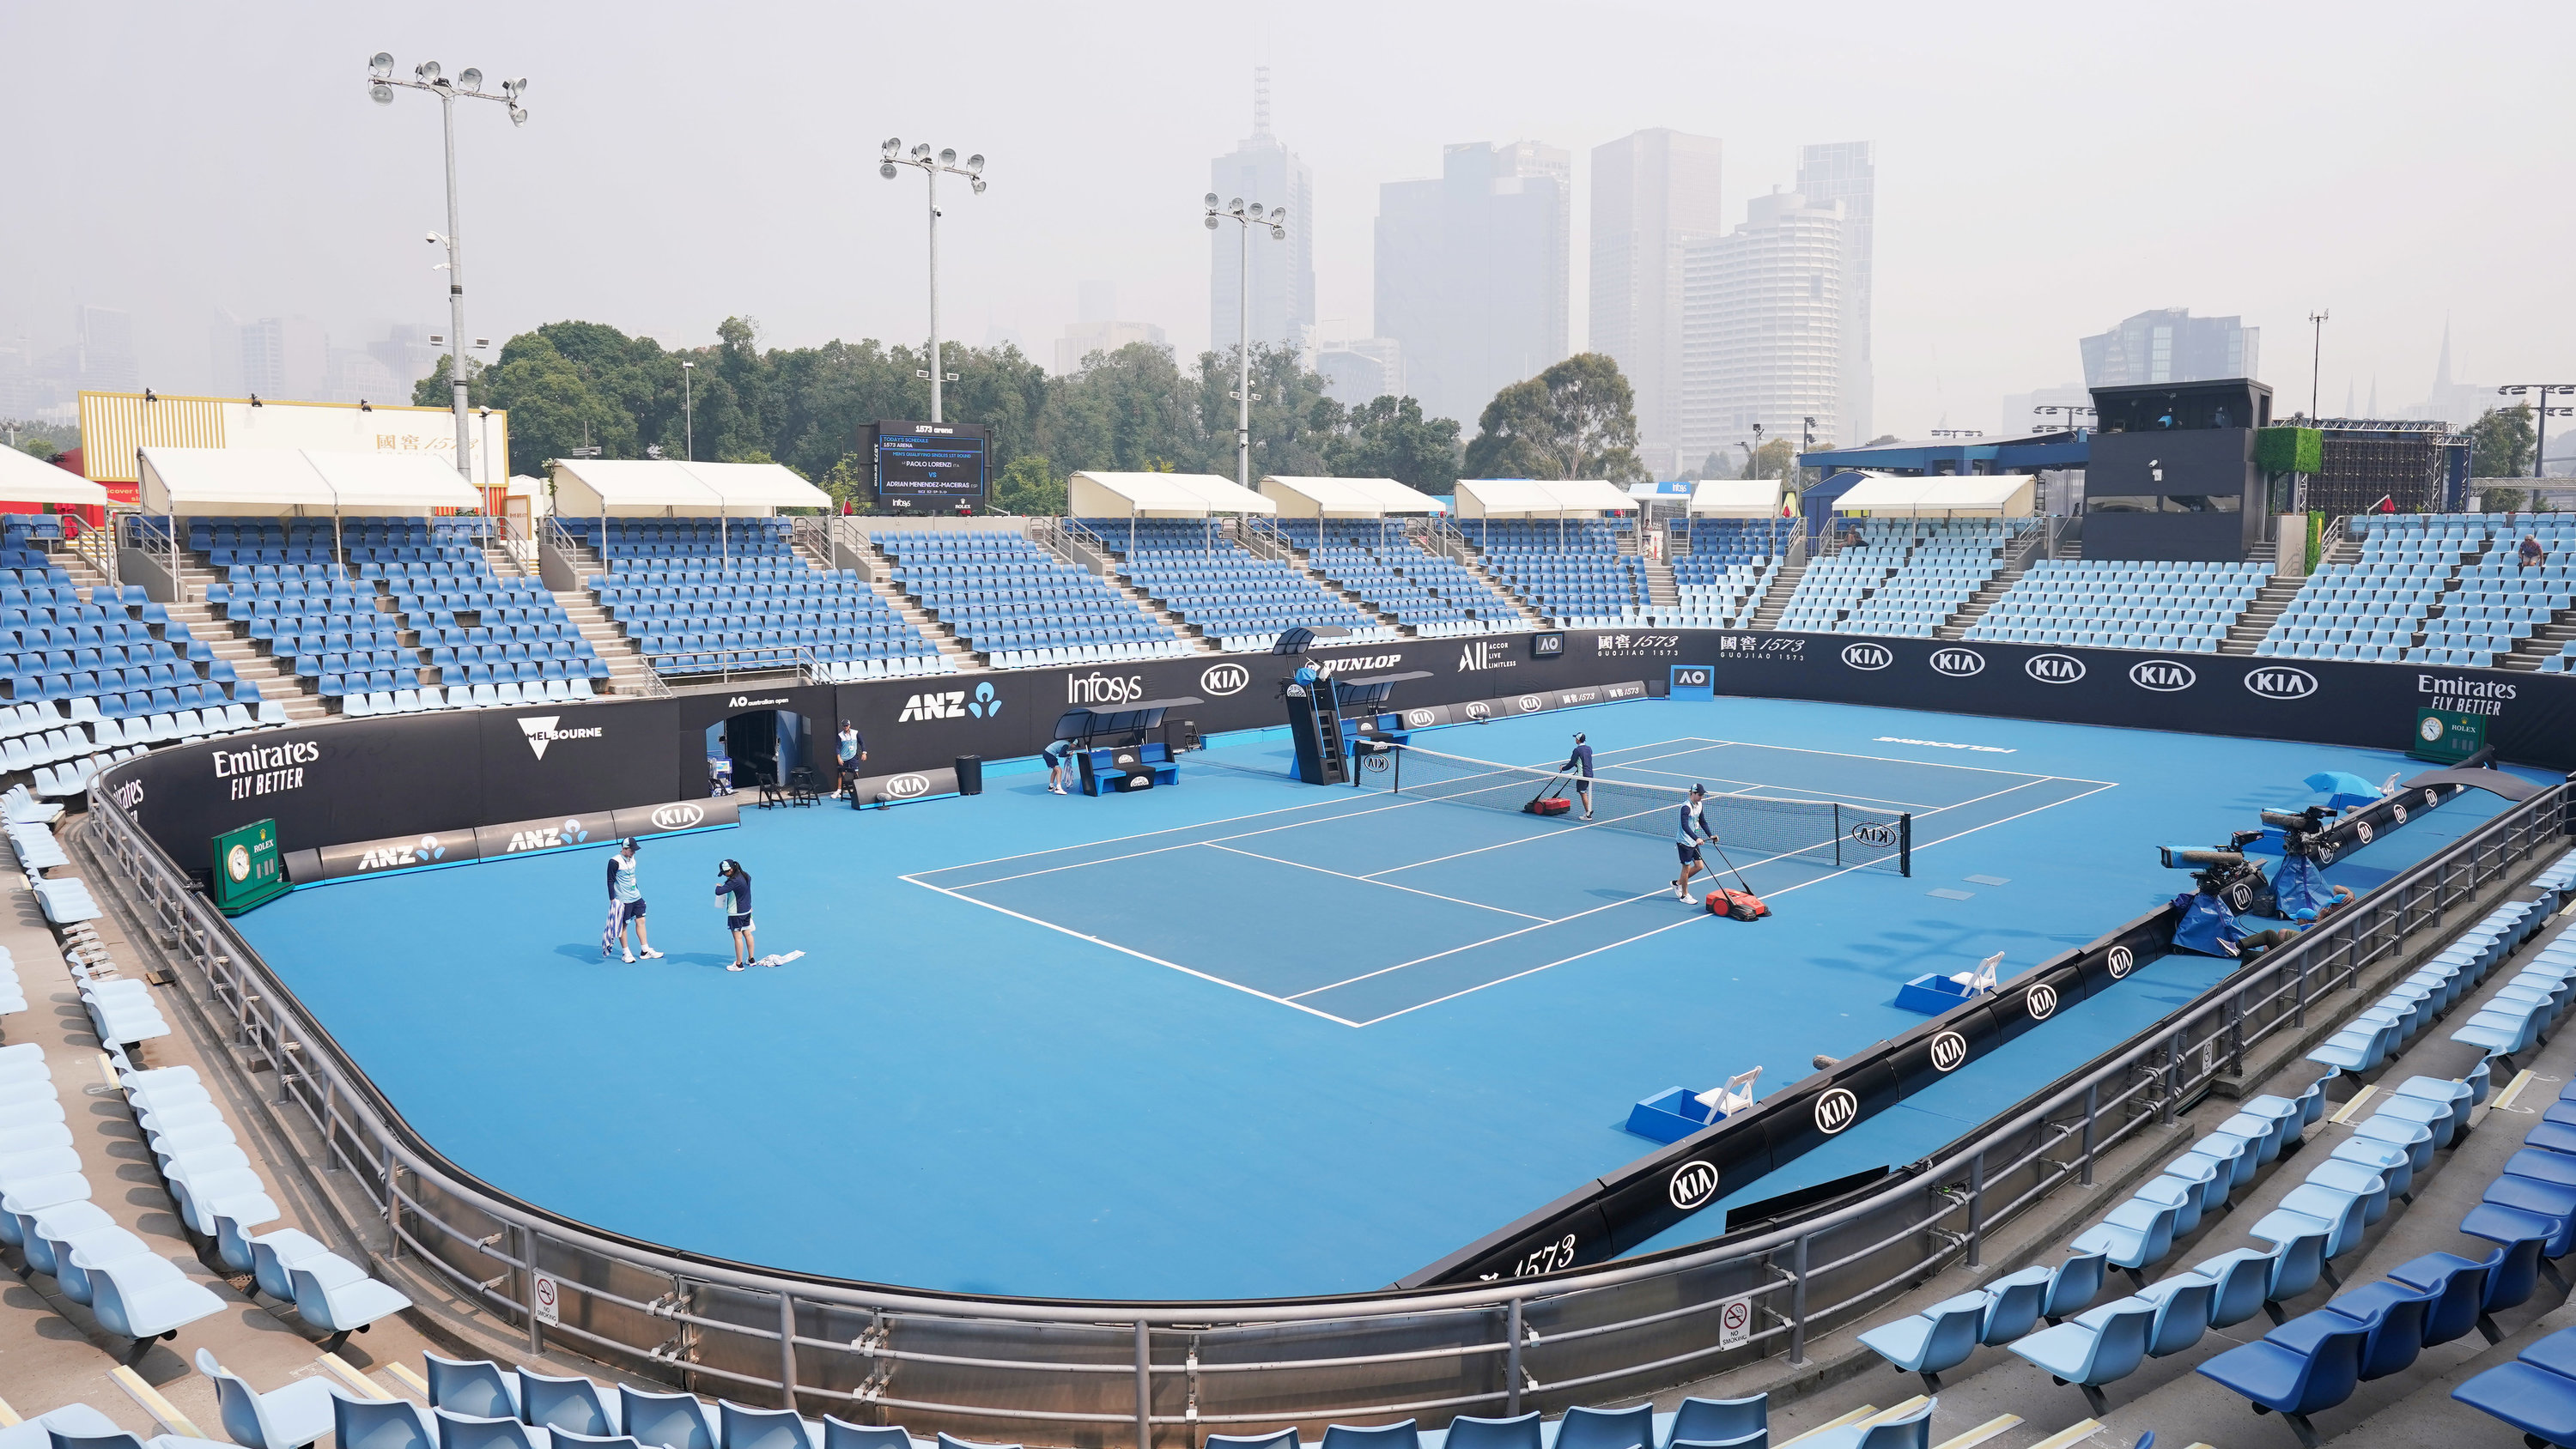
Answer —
1132 496
1125 749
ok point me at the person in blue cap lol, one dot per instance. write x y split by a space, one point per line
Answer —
625 905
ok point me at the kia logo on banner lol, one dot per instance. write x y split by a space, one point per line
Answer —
904 787
2163 675
1949 1050
677 817
2054 668
1693 1184
2362 829
1836 1110
2281 682
1419 718
1958 663
2041 1001
2398 810
1867 656
2122 961
1224 679
1879 836
1529 703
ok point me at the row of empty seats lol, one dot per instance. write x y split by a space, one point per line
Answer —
1213 584
2167 607
1393 575
1566 569
1012 601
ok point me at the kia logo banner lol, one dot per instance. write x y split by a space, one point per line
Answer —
1867 656
1693 1184
2280 681
1224 679
1836 1110
1958 663
2054 668
1949 1051
2163 676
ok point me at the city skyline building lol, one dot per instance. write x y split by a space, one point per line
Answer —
107 358
1762 320
1261 168
1654 192
1847 172
2170 345
1361 369
1472 272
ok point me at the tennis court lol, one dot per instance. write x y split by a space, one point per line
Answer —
1449 889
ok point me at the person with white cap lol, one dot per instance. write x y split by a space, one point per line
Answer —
625 905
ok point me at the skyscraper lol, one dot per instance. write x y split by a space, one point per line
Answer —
1472 272
2170 345
285 357
107 360
1653 193
1847 172
1762 320
1283 272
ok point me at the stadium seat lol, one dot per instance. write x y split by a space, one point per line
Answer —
666 1421
2315 1372
557 1404
286 1418
1934 1341
1721 1423
476 1388
381 1424
2096 1347
740 1426
1909 1430
1401 1435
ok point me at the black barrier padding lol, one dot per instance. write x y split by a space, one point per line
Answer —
1933 1051
1569 1232
1636 1206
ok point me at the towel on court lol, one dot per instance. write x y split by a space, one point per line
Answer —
612 937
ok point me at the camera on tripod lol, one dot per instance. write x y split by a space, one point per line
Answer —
2215 870
2299 828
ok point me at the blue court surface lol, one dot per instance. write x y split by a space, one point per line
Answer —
1248 1037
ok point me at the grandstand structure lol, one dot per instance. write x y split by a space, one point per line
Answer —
1907 577
2187 608
1386 570
1214 588
1573 572
1016 604
2447 589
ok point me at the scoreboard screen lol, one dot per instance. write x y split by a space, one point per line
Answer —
931 466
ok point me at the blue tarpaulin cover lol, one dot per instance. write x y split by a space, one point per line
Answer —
2298 883
2207 925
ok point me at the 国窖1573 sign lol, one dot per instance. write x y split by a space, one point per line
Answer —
246 868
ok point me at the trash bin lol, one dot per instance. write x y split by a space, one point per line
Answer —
970 774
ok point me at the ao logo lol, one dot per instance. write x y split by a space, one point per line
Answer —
1958 663
904 787
1949 1050
1836 1110
1222 679
677 817
1691 678
1881 836
1419 718
2281 682
2162 675
2122 960
2362 829
1867 656
2054 668
2041 1001
1693 1184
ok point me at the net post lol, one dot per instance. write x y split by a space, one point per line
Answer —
1838 833
1905 843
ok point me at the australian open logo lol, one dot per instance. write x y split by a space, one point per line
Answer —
2054 668
677 817
1836 1110
2122 960
1867 656
2163 676
904 787
2042 1001
1876 836
2280 682
1958 663
1949 1051
1693 1184
1224 679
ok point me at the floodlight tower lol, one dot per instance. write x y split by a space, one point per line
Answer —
469 84
1247 217
931 166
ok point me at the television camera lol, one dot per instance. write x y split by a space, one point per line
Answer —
2220 871
2299 828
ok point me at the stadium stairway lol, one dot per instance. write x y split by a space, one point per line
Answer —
1472 560
2547 641
1997 1399
1775 600
1661 591
1324 578
1956 626
54 1350
247 662
2259 616
1106 567
627 671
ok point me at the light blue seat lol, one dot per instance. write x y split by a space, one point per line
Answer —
2180 1194
2358 1048
2239 1280
380 1424
2097 1347
2133 1236
2412 1138
2438 1118
1585 1428
470 1431
476 1388
1911 1430
2313 1208
2350 1177
1465 1432
1932 1342
573 1404
340 1304
2505 1034
2458 1096
739 1426
2013 1304
2183 1302
1734 1423
2210 1178
286 1418
1400 1435
138 1304
840 1434
2394 1164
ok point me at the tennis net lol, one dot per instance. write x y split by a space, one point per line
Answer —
1831 832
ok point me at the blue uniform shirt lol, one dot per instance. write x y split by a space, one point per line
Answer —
1690 827
1580 762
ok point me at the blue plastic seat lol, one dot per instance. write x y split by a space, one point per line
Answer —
740 1426
468 1431
2097 1347
2295 1382
2393 1312
2183 1303
1465 1432
1736 1423
477 1388
1910 1430
285 1418
1400 1435
1584 1428
2132 1236
573 1404
381 1424
1932 1342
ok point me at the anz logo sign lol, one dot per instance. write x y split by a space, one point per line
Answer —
2163 676
1693 1184
1836 1110
2280 682
2054 668
427 851
1867 656
1958 663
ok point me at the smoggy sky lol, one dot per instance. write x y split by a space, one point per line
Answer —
2043 170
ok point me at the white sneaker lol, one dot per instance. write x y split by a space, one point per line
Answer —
630 958
652 955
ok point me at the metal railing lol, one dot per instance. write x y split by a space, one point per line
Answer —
1164 1373
97 548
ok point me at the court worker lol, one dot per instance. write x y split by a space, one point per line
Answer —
1689 833
625 904
1580 762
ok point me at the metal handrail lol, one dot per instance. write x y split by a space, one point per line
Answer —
619 1292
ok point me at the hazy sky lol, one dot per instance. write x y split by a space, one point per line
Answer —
2043 170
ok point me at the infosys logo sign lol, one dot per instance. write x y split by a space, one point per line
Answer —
2162 675
1867 656
2280 682
2054 668
1224 679
1958 663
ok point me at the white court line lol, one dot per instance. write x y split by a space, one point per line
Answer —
1139 835
1167 849
1472 945
1124 950
1852 795
1408 890
1898 760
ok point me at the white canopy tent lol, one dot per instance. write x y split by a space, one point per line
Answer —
295 483
1160 495
1736 498
665 488
1969 495
1344 497
392 484
1540 498
25 478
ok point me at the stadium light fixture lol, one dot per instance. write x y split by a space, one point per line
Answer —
931 166
2538 395
1245 219
427 76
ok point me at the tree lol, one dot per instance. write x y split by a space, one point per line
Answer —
1772 462
2500 442
433 391
1029 487
1578 419
1388 437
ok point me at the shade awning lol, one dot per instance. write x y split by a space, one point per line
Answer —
242 481
392 483
592 487
1981 494
1736 498
25 478
1540 498
756 487
1160 495
1344 497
